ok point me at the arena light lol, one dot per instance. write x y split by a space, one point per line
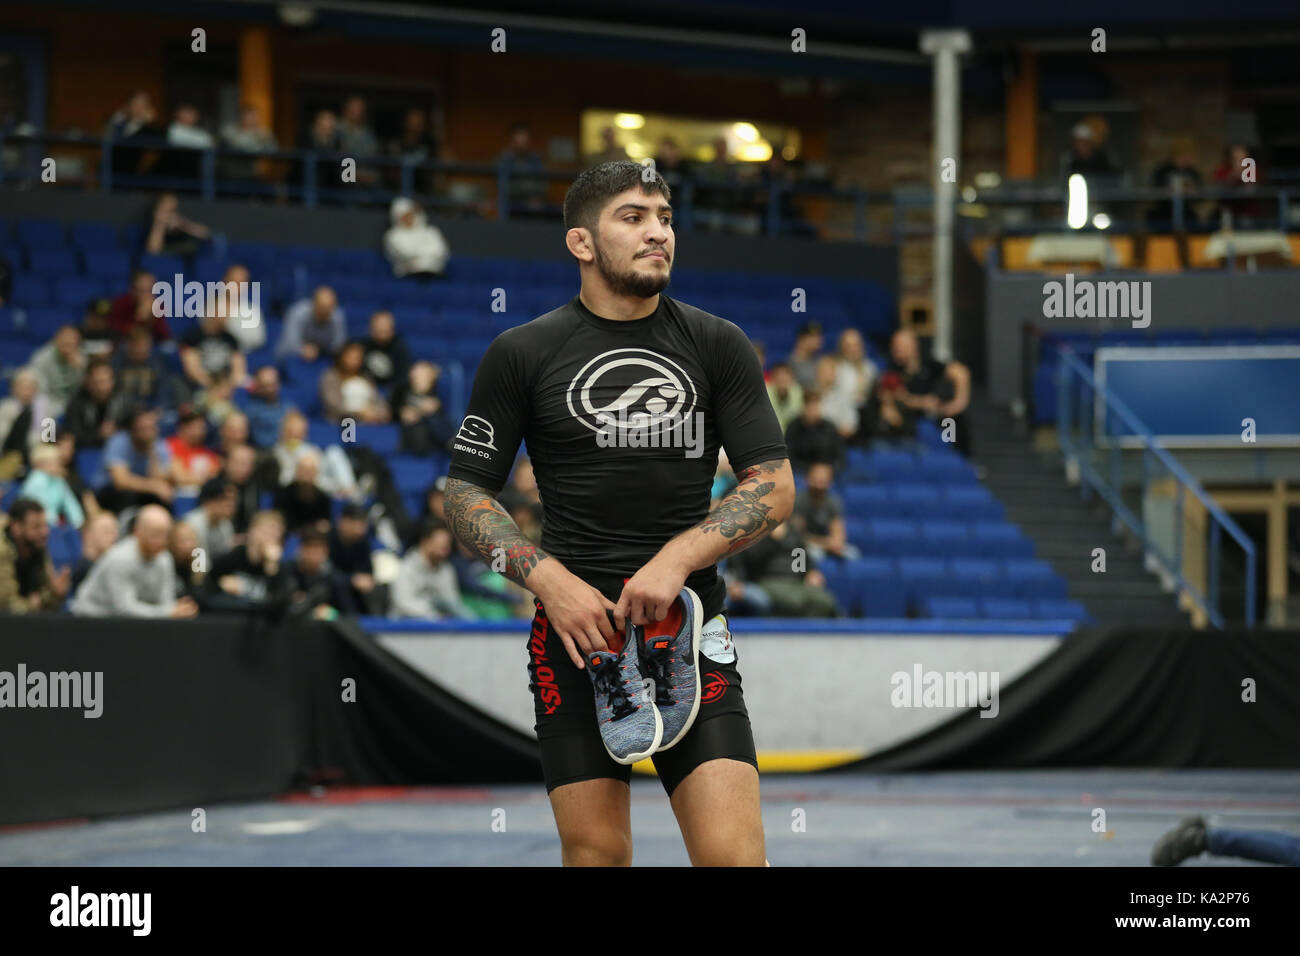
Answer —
1101 221
1076 214
636 150
755 152
747 132
629 120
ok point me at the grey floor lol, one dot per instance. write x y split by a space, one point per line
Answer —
941 819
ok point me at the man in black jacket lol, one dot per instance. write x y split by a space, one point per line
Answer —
252 578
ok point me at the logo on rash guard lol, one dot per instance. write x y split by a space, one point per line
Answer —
477 431
630 388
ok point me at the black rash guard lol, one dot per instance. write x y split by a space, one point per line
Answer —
581 391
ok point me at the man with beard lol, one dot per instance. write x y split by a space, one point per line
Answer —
28 583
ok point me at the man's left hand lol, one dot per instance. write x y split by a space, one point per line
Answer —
650 592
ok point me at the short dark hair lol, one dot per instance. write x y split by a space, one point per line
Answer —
312 535
22 507
431 526
213 488
596 186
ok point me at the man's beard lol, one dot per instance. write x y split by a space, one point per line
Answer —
630 283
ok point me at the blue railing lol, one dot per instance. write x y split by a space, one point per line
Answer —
1079 397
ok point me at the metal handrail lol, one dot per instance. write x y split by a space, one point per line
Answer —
1091 479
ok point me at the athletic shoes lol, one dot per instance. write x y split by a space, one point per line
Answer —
630 725
669 650
1186 840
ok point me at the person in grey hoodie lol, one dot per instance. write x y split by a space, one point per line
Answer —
135 577
426 586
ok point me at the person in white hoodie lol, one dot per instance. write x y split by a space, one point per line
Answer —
414 247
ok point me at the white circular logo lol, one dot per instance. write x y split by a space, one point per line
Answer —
631 388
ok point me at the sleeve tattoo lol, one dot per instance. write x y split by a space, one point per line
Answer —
743 516
479 521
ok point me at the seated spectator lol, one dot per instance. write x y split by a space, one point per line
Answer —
243 312
97 409
811 437
142 374
347 392
98 534
855 373
1088 157
241 473
217 402
786 394
212 521
136 120
416 146
96 332
323 138
426 427
819 515
59 367
318 588
187 136
793 593
251 577
28 583
172 234
45 483
313 328
135 309
208 349
1178 174
302 503
412 246
137 466
189 562
234 431
265 409
807 349
192 462
335 476
350 554
24 414
356 139
523 166
426 585
388 358
249 136
932 388
135 577
839 405
67 446
521 498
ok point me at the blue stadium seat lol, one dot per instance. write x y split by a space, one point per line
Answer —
1033 578
75 292
56 262
1001 540
95 236
890 537
1057 609
922 577
164 268
30 291
953 608
976 577
868 501
916 501
381 439
972 502
941 536
108 264
41 232
1006 608
64 545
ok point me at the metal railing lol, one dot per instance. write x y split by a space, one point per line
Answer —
1080 399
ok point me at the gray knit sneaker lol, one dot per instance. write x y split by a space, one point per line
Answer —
630 725
670 657
1186 840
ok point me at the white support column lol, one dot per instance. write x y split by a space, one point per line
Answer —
945 46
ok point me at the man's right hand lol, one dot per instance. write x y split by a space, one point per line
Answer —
310 352
185 607
575 609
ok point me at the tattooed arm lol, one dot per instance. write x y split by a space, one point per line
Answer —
573 608
762 499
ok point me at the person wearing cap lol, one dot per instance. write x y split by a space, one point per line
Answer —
47 485
803 360
212 519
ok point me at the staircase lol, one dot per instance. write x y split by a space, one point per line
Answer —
1064 528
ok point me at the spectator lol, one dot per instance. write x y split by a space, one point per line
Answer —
265 409
839 405
45 484
426 585
1244 213
192 462
243 312
96 332
1178 174
767 564
356 138
855 374
1193 836
670 164
610 151
346 391
249 136
819 515
523 166
24 415
142 374
350 554
412 246
135 309
416 146
28 583
786 394
188 562
212 520
172 234
317 587
67 446
313 328
185 130
137 120
240 472
807 348
1088 157
323 138
136 468
388 357
811 437
301 502
59 367
136 576
885 415
252 576
97 409
932 388
426 427
216 403
98 534
208 349
335 475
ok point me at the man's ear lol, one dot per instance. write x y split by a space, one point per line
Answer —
578 241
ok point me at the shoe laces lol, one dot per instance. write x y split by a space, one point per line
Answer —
607 682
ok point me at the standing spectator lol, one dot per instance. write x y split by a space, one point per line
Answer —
24 413
252 577
811 437
819 515
414 247
350 554
335 475
135 309
97 409
317 587
347 392
785 393
426 585
192 462
172 234
249 136
240 472
28 583
143 376
264 407
415 145
137 120
388 357
313 328
212 522
136 468
426 427
610 151
45 484
523 166
356 138
932 388
135 577
244 323
807 347
59 366
301 502
208 349
98 534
